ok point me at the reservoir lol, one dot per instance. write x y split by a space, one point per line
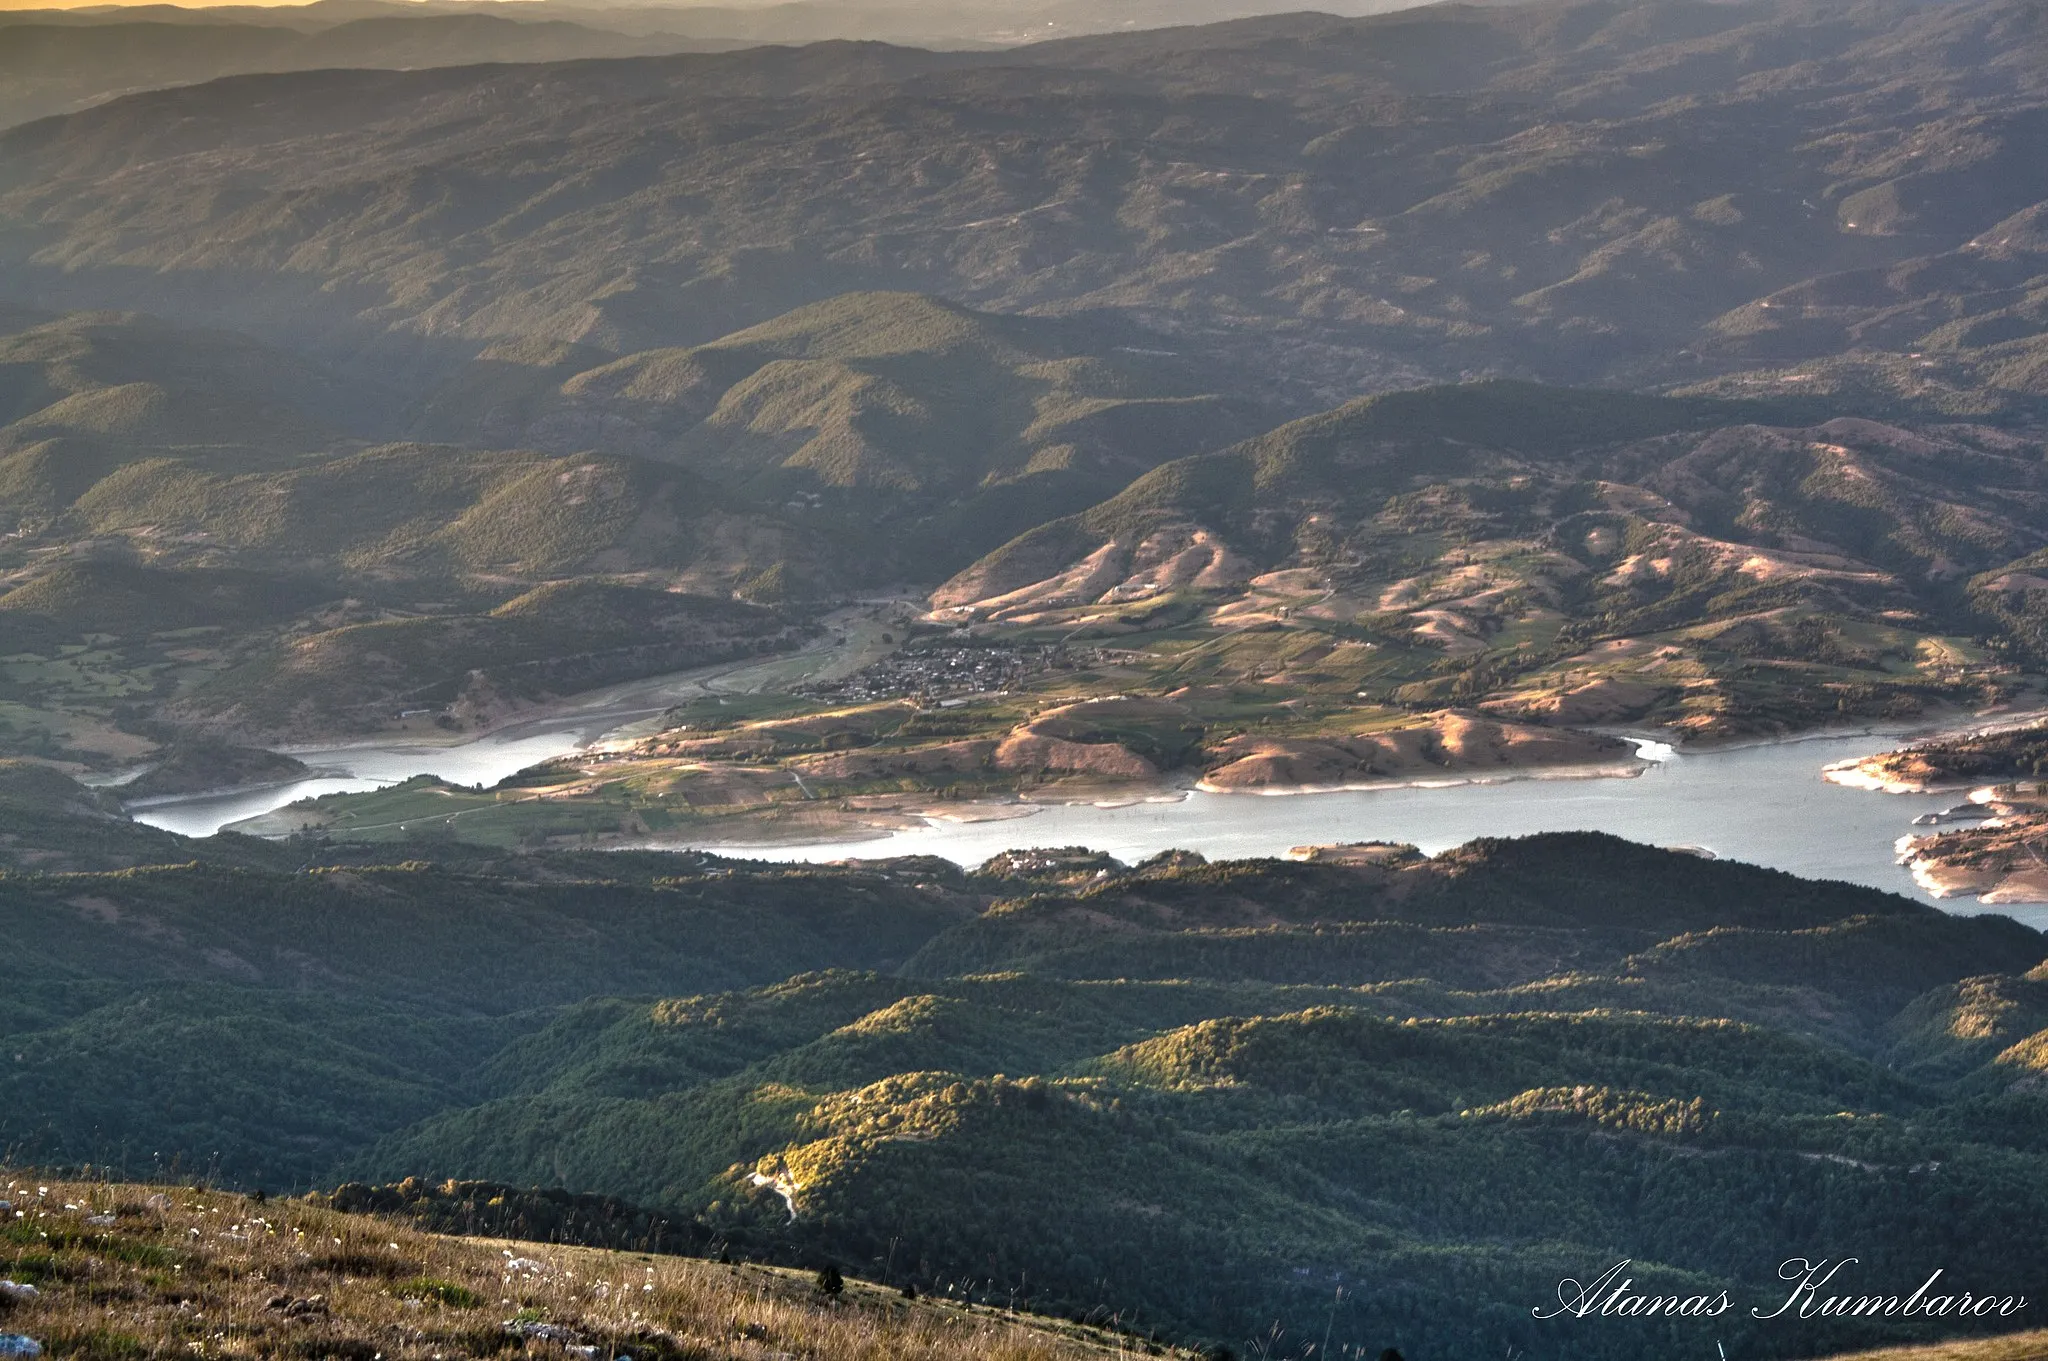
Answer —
352 770
1765 804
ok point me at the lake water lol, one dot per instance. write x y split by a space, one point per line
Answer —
569 726
352 770
1764 804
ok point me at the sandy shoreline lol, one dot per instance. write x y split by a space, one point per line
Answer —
876 819
1995 859
1604 771
1856 773
878 823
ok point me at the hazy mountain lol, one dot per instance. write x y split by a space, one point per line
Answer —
1547 554
56 61
1571 191
156 480
50 66
1530 543
195 445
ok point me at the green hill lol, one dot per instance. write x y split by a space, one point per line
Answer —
124 598
55 825
557 639
1161 1094
1253 1127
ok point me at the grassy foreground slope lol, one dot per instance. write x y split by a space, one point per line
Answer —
139 1270
124 1270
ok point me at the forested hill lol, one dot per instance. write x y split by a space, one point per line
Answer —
1202 1097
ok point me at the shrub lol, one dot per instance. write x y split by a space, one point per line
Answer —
442 1292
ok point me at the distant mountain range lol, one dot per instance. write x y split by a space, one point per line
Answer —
55 61
1649 194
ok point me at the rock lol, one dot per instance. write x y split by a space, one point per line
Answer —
15 1290
545 1332
1379 853
16 1345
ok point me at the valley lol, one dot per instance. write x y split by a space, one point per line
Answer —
1277 615
1019 679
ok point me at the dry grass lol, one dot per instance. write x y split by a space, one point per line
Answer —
2031 1346
126 1272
